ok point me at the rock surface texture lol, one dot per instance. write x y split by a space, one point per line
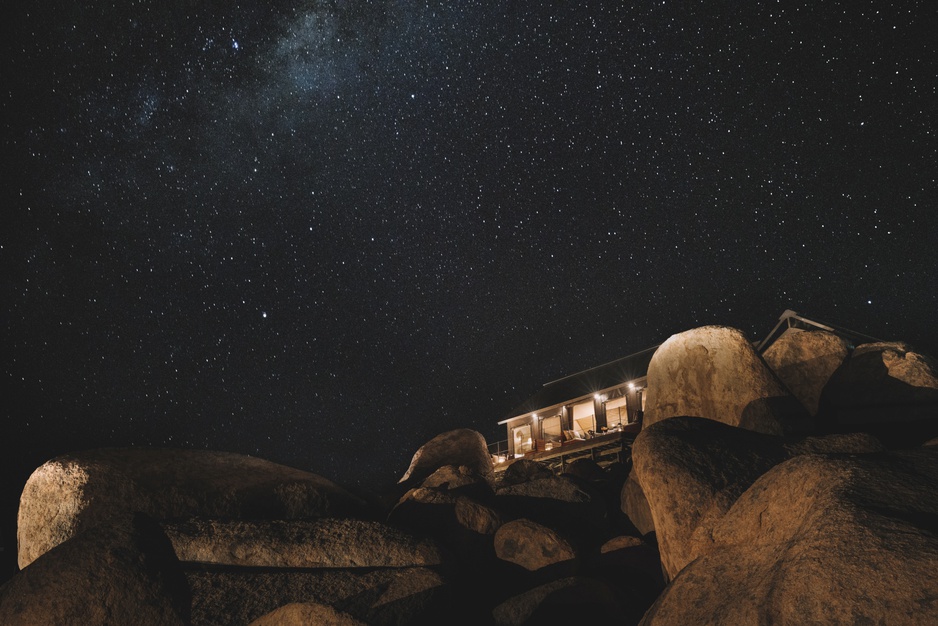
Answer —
804 362
714 372
531 545
124 573
820 540
455 447
76 491
305 614
325 543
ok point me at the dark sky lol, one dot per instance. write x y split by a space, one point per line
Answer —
323 232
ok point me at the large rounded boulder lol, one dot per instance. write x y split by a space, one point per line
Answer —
714 372
820 540
805 361
692 470
76 491
121 573
460 447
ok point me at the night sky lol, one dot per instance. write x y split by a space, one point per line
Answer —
324 232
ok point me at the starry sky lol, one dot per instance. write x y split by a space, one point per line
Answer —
323 232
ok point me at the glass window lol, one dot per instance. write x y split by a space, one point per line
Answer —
617 412
521 435
584 419
551 428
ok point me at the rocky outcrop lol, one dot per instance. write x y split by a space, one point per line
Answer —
77 491
463 447
531 545
886 383
477 517
804 362
380 596
325 543
123 573
714 372
820 540
585 469
563 502
692 470
306 613
524 470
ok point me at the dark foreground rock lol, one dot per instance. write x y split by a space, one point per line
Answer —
305 614
714 372
381 596
77 491
111 574
572 600
820 540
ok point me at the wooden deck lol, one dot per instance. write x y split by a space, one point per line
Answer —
604 449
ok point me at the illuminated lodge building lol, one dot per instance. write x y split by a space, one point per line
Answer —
587 414
596 413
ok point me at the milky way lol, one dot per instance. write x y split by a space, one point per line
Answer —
323 232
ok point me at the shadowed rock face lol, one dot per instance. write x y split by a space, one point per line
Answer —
882 383
635 505
820 540
805 361
461 447
714 372
380 596
569 600
77 491
125 573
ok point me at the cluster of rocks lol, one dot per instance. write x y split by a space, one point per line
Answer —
753 495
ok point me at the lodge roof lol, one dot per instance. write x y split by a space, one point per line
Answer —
587 382
791 320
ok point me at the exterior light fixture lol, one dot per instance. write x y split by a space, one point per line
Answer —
632 386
